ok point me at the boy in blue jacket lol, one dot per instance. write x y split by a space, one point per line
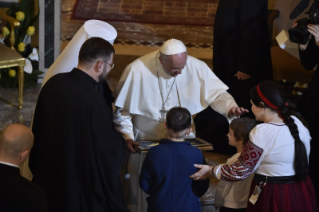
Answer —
167 167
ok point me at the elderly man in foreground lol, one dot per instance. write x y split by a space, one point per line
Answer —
153 84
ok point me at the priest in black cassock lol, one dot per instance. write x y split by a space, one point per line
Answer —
241 53
77 154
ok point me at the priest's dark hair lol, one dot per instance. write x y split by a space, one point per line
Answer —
242 128
178 119
95 48
273 94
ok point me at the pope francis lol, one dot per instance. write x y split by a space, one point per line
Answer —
153 84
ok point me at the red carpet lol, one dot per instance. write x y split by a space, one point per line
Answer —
183 12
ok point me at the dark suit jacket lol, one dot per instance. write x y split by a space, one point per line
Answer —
18 194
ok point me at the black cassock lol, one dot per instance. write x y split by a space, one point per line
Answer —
77 154
308 106
242 43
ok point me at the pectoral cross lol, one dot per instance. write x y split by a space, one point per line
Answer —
163 114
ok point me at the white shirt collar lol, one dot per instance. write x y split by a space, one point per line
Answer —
9 164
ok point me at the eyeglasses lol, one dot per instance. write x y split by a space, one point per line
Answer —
112 65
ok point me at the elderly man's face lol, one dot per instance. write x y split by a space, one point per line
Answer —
173 64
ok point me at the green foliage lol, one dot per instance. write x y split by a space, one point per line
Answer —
30 80
27 7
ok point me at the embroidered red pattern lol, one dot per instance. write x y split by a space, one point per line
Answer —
250 155
245 164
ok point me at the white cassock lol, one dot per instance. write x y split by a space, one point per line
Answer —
140 94
68 59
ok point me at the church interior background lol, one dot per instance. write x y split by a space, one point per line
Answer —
133 40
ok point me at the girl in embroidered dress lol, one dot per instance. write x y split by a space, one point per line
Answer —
278 152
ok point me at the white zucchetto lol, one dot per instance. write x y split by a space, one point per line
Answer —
68 59
173 46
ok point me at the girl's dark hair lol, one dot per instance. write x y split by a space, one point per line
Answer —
242 128
274 95
178 119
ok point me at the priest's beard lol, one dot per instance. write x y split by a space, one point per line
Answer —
102 77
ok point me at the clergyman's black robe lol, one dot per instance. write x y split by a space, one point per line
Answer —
242 43
77 154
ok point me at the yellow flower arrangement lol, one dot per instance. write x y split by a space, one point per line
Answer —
12 73
20 16
30 30
24 13
21 47
5 31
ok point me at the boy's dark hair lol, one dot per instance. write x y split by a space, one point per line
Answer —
242 128
178 119
95 48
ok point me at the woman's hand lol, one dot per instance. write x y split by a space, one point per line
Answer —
203 173
314 30
295 23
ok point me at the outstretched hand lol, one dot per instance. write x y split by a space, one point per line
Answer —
130 145
237 111
203 173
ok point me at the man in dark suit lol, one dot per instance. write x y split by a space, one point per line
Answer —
17 193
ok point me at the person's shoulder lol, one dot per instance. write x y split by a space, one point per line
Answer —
164 145
30 187
192 150
303 131
143 61
58 78
56 82
195 65
297 121
261 128
161 144
194 61
261 134
258 130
